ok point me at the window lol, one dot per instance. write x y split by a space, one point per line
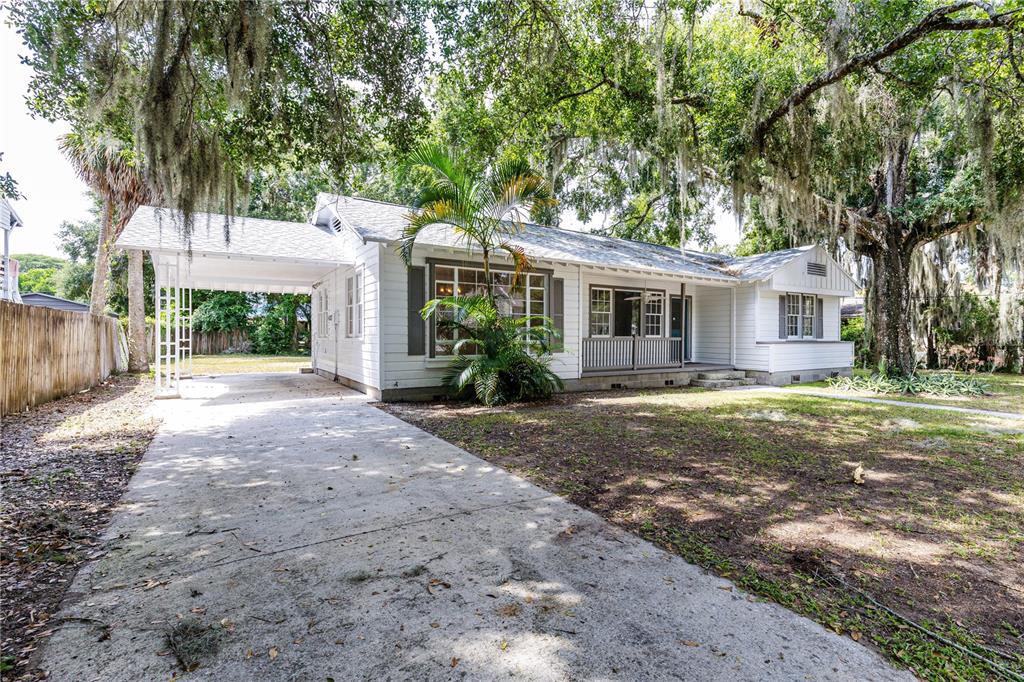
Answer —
808 317
528 297
653 313
354 304
322 307
801 314
793 315
600 312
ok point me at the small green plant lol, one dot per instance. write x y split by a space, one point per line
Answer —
938 384
497 359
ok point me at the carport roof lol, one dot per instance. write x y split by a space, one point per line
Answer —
158 229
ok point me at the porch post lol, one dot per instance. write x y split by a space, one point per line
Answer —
682 324
157 326
732 327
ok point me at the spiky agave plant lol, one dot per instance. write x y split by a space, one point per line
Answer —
500 359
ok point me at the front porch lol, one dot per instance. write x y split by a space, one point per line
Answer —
690 373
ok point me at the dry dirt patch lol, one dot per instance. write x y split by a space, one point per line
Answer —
63 466
764 490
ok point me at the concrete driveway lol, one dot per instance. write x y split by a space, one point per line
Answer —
335 541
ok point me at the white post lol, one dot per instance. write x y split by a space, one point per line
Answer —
157 326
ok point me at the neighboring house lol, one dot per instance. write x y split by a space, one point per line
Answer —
50 301
852 308
630 313
8 267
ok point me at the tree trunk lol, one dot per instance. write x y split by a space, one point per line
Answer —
890 308
98 297
138 351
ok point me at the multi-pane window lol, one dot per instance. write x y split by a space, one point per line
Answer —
792 314
600 312
654 311
528 297
808 317
800 315
354 304
322 308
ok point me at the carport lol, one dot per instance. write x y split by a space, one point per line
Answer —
249 254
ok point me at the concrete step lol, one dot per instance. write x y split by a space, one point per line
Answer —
723 383
714 383
722 374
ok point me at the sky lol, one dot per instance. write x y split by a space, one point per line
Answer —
54 193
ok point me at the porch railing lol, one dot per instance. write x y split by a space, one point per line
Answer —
631 352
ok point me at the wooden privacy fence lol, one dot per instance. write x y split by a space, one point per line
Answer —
209 343
47 353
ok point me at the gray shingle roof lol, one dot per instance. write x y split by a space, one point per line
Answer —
761 266
380 221
158 228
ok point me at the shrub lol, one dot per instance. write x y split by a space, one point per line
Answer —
939 384
497 359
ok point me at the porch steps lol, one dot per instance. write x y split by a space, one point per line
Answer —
722 379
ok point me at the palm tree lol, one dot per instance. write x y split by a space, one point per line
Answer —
114 173
484 209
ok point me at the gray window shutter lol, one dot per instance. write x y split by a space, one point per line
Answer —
782 316
819 322
417 299
558 313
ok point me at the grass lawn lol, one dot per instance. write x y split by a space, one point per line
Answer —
760 489
1007 393
244 362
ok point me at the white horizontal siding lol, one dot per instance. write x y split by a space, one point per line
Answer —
768 315
401 370
793 356
749 355
712 322
355 358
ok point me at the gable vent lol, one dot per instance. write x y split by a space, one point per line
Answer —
817 269
336 224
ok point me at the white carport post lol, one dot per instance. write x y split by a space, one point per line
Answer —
173 330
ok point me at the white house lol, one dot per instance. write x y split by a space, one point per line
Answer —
630 313
8 266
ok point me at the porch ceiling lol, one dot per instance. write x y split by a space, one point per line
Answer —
244 273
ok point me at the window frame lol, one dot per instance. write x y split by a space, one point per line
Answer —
533 280
660 315
322 313
354 293
806 322
608 313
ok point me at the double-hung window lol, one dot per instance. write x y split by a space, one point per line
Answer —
322 308
354 304
600 312
801 314
654 312
527 297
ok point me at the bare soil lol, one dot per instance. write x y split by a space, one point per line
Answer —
763 491
63 467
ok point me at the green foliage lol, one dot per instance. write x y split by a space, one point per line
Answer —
8 185
222 311
938 384
853 329
484 209
276 329
37 273
497 359
38 280
209 91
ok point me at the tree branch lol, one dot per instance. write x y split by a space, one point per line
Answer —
936 21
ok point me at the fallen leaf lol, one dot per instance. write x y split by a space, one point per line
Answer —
858 475
689 642
249 654
455 661
855 636
435 625
272 653
504 645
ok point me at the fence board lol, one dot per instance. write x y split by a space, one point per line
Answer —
46 353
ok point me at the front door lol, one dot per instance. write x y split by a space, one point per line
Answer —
680 324
627 312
